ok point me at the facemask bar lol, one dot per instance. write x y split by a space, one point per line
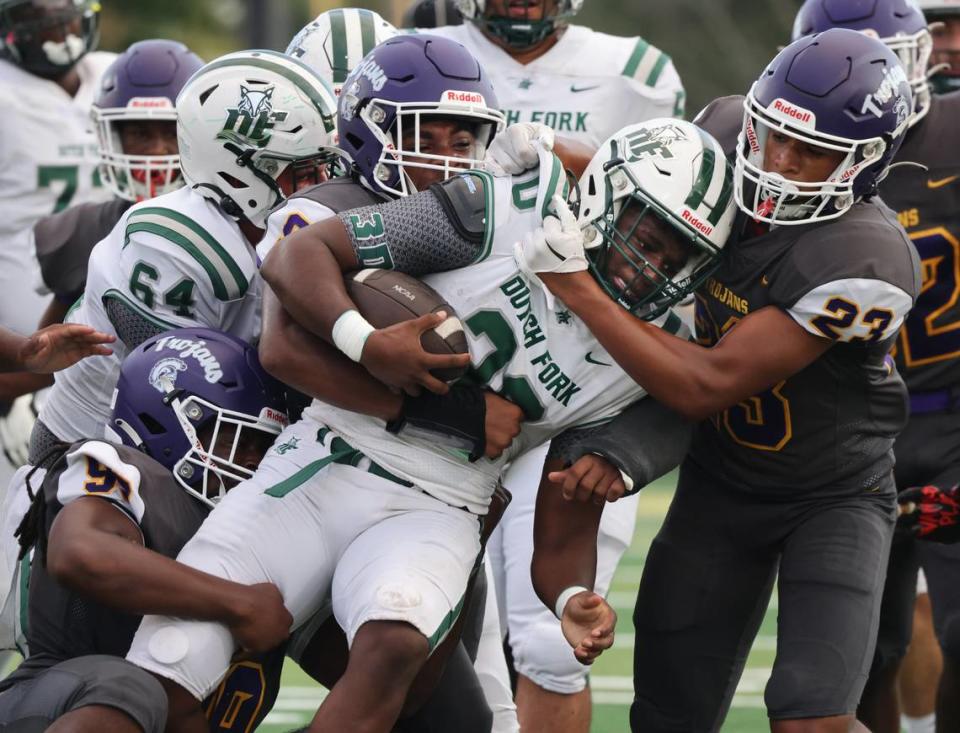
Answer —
134 177
521 33
666 290
201 457
486 124
776 200
914 53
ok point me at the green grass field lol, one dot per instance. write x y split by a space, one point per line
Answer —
611 680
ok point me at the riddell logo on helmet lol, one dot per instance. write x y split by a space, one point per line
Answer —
455 97
693 221
149 103
799 114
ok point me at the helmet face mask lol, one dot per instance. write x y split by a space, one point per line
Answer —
394 99
944 17
48 37
242 120
839 91
198 402
136 101
518 27
657 209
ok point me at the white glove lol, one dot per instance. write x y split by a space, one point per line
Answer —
517 149
555 247
15 429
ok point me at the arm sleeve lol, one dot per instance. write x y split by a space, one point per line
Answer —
853 309
646 441
422 233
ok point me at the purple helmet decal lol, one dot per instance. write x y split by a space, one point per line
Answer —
900 24
189 398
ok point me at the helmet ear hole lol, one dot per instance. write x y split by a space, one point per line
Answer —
232 181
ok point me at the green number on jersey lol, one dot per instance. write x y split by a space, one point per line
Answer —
180 298
516 389
140 289
47 174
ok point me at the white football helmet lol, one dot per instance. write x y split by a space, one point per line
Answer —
337 40
670 169
243 119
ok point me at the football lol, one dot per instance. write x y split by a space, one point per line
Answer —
386 297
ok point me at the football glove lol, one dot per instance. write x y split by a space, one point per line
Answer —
557 246
930 513
517 149
15 429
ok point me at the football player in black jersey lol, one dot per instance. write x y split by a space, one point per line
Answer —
926 196
194 413
791 467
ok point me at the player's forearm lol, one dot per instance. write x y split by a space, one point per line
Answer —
129 577
305 362
15 385
308 280
10 346
564 540
693 380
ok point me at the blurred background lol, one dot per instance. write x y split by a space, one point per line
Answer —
719 46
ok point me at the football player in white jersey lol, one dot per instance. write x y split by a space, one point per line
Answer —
585 85
48 76
391 518
249 124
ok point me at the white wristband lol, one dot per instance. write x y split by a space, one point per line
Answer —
350 332
565 596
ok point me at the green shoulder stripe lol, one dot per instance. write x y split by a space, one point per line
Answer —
646 63
556 179
228 280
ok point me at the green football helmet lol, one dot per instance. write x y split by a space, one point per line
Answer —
656 206
517 30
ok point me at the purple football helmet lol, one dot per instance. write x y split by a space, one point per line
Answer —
839 90
180 391
898 23
407 80
47 37
141 84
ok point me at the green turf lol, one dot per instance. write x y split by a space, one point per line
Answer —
611 682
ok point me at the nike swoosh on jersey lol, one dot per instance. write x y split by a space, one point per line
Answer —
940 183
576 90
591 360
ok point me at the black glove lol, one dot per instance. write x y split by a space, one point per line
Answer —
456 419
929 513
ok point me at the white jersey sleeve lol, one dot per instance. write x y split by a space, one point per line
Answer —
853 309
95 469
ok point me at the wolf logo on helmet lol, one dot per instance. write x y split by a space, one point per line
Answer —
647 142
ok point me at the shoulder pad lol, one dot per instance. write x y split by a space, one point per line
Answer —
464 200
95 468
226 275
64 242
338 195
723 118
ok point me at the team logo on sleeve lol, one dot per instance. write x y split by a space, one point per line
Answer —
163 376
646 143
253 119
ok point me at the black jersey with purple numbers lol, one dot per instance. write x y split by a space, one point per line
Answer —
63 624
927 203
831 426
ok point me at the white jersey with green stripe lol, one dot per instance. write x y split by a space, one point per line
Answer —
171 262
586 87
543 359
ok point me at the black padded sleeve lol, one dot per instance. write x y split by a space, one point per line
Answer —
131 327
645 441
415 235
464 200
